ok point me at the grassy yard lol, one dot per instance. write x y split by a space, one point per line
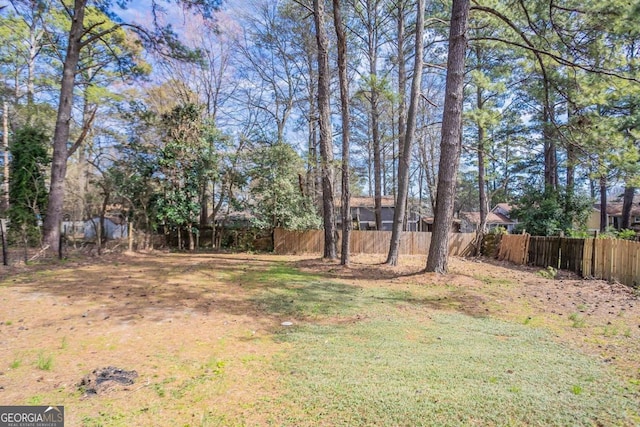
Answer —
366 346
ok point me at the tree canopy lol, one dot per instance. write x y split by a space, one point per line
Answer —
187 111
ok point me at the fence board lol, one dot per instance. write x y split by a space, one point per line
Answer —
587 258
367 242
617 260
544 251
514 248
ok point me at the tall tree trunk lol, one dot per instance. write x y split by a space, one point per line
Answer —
313 181
402 88
324 122
593 188
346 127
483 198
548 136
402 77
83 184
377 158
61 134
571 163
482 184
603 203
372 53
404 160
571 176
627 204
450 144
192 243
34 48
204 204
5 143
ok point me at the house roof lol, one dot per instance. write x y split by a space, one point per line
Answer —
503 206
115 219
429 220
615 209
492 218
369 202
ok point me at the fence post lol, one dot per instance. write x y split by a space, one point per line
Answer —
130 236
5 260
593 255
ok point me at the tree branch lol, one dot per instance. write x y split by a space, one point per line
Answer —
561 60
85 130
304 6
96 36
539 52
430 102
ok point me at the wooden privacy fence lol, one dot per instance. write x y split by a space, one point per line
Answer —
514 248
557 252
612 259
367 242
607 259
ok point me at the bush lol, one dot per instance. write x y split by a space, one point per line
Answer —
626 234
549 212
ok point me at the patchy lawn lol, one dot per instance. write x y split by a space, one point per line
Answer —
489 344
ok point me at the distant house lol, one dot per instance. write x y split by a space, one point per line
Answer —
499 216
426 224
73 228
502 209
614 215
364 217
233 220
115 227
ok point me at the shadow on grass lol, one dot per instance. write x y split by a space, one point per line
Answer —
312 299
285 291
154 286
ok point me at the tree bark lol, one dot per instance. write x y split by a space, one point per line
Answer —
324 123
483 199
204 204
5 143
377 159
313 181
571 163
603 204
31 66
404 160
402 78
482 185
372 26
346 127
450 144
61 133
548 136
629 193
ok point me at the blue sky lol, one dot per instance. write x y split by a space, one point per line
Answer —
139 11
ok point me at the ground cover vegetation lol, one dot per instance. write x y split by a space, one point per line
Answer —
202 342
178 116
